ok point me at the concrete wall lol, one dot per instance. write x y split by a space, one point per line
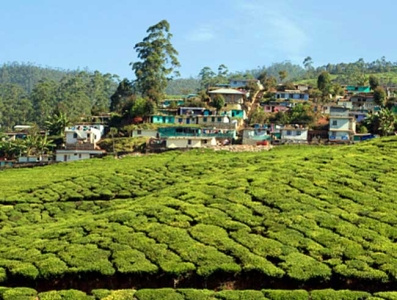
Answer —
294 134
71 156
144 133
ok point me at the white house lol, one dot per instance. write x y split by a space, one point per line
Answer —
81 143
342 126
73 155
290 134
175 142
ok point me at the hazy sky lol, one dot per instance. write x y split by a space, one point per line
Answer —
242 34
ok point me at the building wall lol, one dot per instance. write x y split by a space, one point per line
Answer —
71 156
144 133
339 136
173 143
163 119
296 135
341 124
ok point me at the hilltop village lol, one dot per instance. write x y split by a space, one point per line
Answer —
241 112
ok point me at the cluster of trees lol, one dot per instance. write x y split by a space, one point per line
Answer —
31 143
299 114
76 95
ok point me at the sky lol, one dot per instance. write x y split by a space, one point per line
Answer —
241 34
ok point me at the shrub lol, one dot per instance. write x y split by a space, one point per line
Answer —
156 294
286 295
20 294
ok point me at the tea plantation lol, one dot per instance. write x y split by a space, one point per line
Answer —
296 222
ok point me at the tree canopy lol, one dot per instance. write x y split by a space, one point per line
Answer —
158 59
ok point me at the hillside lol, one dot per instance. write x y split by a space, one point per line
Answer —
294 217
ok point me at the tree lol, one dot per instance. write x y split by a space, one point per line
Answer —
123 92
387 121
206 76
158 60
380 96
57 123
308 63
283 74
258 116
44 100
218 102
324 84
373 82
142 107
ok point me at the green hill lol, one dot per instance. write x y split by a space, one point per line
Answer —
291 218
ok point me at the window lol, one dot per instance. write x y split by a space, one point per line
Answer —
298 132
205 119
88 135
213 119
79 155
139 131
180 120
289 132
75 135
189 142
204 141
334 123
219 119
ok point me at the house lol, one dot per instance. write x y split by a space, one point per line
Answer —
81 143
235 113
291 95
253 136
175 142
273 106
171 102
294 134
364 102
241 83
231 96
141 132
194 111
217 121
342 126
162 119
35 159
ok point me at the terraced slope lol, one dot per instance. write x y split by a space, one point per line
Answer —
294 217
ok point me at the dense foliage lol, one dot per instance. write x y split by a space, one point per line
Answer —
292 216
32 94
192 294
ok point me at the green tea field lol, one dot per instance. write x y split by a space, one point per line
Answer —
296 222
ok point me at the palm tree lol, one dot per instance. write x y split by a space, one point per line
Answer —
387 121
57 123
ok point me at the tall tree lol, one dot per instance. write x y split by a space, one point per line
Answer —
158 60
380 96
206 76
373 82
283 74
44 100
308 63
121 96
324 84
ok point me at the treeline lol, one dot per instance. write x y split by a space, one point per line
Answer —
75 94
27 75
